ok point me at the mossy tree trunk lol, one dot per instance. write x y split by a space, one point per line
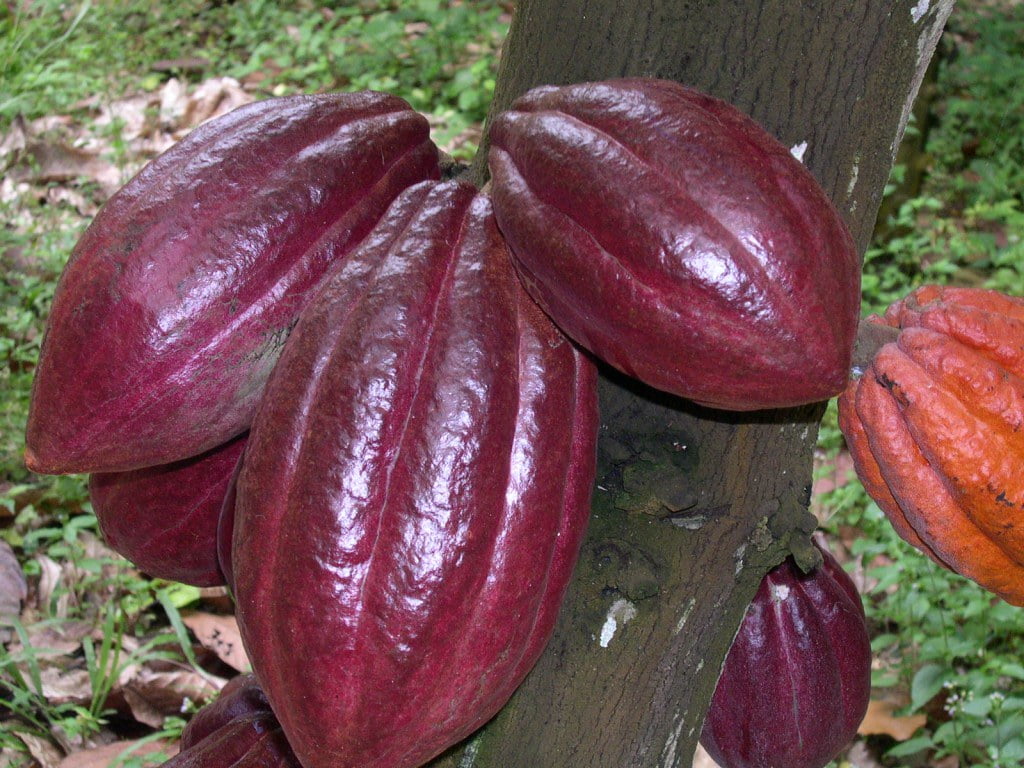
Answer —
692 506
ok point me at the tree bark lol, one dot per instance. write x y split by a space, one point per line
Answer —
693 506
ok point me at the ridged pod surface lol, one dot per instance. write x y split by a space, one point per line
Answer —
164 519
178 298
414 493
796 683
934 426
673 237
238 730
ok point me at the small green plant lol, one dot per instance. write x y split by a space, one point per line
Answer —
103 592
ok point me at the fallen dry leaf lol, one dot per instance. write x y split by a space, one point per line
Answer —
47 755
57 639
881 720
143 710
220 634
13 587
49 578
43 162
211 99
167 692
101 757
65 686
173 100
16 138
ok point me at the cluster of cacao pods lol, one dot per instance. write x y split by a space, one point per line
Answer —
296 361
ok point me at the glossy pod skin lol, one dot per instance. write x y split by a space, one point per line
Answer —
164 519
238 730
934 427
796 683
673 237
414 493
241 697
178 298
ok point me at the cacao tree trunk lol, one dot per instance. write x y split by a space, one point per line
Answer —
693 506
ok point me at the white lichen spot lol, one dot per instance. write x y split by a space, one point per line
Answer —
805 432
469 756
621 612
854 174
780 592
686 614
668 754
739 557
919 10
797 150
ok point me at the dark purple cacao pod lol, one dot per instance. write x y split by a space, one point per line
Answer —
226 527
414 492
796 683
164 519
177 299
673 237
242 697
238 730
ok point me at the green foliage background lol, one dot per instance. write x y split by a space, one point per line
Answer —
953 215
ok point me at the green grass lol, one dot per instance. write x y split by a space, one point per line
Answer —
437 54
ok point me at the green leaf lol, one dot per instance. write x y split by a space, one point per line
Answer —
927 682
911 747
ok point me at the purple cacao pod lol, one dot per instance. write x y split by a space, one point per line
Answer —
177 299
414 492
164 519
242 697
238 730
796 683
673 237
226 527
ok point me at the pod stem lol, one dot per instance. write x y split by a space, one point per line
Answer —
872 335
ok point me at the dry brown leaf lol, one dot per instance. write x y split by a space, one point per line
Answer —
85 207
167 692
13 587
881 720
47 755
12 757
101 757
173 101
143 710
16 138
43 162
64 686
211 99
59 639
49 578
220 634
133 114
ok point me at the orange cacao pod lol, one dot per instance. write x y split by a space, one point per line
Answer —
934 427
